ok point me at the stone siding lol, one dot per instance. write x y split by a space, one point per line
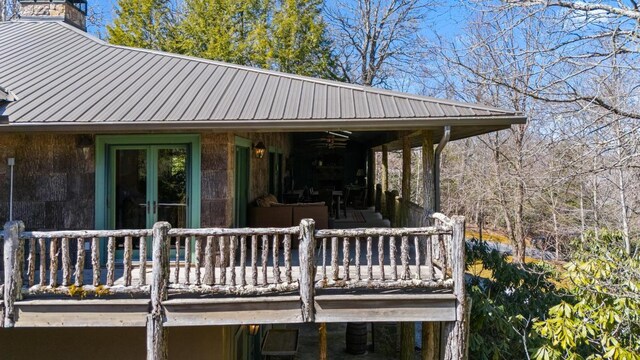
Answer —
54 181
54 178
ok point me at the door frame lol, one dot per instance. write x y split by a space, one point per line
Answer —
279 159
103 144
244 143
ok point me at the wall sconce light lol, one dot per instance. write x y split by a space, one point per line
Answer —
84 142
254 329
259 149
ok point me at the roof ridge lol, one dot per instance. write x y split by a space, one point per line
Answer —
363 88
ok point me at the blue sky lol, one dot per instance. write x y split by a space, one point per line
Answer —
448 18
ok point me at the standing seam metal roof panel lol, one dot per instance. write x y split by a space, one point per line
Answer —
63 75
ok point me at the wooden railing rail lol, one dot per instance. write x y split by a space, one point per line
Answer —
393 256
57 261
233 260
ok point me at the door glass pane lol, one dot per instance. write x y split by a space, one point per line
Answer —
131 191
172 187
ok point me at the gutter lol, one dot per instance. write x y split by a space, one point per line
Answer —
441 144
377 124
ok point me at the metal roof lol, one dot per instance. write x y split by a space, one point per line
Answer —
69 80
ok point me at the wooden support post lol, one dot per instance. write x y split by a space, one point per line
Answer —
428 178
12 269
406 181
157 339
371 176
307 268
430 341
455 333
407 340
378 202
322 330
384 180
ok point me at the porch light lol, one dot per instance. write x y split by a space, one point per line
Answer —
254 329
259 149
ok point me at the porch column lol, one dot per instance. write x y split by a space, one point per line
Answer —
407 329
322 337
371 178
428 177
406 180
384 180
385 169
430 330
157 337
13 249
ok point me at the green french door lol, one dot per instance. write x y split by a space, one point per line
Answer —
149 183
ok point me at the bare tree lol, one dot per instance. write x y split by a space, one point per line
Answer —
585 37
376 39
9 9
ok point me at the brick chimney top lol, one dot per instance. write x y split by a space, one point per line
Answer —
73 12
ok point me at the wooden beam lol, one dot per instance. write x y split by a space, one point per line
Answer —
322 334
388 307
407 340
430 341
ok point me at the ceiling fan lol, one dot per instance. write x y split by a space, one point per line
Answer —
329 141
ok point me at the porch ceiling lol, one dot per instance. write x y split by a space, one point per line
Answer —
70 81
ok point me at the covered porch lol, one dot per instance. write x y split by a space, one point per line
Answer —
225 276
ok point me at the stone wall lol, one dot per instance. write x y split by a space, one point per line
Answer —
216 193
218 171
54 181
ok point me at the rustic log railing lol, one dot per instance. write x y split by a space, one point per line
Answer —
248 261
235 261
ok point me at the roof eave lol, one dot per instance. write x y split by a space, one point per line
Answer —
294 125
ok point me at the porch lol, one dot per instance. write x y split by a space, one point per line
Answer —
224 276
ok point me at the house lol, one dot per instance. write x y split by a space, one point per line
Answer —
95 138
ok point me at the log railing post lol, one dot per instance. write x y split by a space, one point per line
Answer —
12 269
307 268
378 201
455 333
157 339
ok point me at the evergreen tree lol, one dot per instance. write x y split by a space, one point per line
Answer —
142 23
299 40
225 30
285 35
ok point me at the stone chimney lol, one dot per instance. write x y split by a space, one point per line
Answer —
73 12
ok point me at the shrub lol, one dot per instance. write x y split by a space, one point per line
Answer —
600 316
506 299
